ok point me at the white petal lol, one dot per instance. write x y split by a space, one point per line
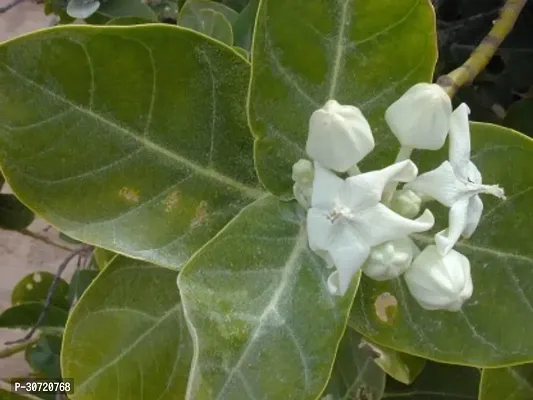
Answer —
380 224
348 253
472 173
473 215
339 136
441 184
319 229
420 118
82 9
459 154
440 282
446 239
326 188
365 190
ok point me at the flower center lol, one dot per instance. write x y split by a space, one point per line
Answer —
339 212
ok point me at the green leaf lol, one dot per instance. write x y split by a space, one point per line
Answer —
127 335
437 382
355 375
262 319
243 27
81 279
13 214
121 8
190 16
520 117
161 171
401 366
68 239
514 383
25 316
103 257
484 333
213 24
120 21
241 51
34 288
43 356
9 395
364 53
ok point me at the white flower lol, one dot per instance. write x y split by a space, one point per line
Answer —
82 9
420 119
406 203
346 218
456 184
302 175
390 259
339 136
440 282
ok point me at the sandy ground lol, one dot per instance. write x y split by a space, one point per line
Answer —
20 255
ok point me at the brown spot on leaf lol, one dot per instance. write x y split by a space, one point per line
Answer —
129 194
386 306
201 213
171 201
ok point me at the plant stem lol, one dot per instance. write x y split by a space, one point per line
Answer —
481 56
43 239
9 351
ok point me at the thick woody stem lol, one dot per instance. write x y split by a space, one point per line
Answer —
481 56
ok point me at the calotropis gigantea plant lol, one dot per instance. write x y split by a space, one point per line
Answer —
173 149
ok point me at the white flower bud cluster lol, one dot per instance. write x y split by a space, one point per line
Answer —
358 221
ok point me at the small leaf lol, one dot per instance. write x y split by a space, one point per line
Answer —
161 172
121 8
483 333
190 17
264 323
514 383
437 382
364 53
25 316
129 322
103 257
81 279
520 117
401 366
213 24
13 214
34 288
43 356
243 27
355 375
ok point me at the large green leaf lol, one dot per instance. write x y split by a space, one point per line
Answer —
100 135
355 375
513 383
494 327
360 52
437 382
262 320
13 214
127 335
35 286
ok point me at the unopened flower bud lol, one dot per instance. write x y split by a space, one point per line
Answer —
339 136
406 203
440 282
420 119
302 175
391 259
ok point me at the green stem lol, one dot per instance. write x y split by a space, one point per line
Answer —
44 239
9 351
481 56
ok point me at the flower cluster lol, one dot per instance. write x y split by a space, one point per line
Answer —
360 220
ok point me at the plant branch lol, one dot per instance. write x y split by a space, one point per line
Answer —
43 239
481 56
50 293
9 351
14 3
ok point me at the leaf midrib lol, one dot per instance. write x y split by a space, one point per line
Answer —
245 190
